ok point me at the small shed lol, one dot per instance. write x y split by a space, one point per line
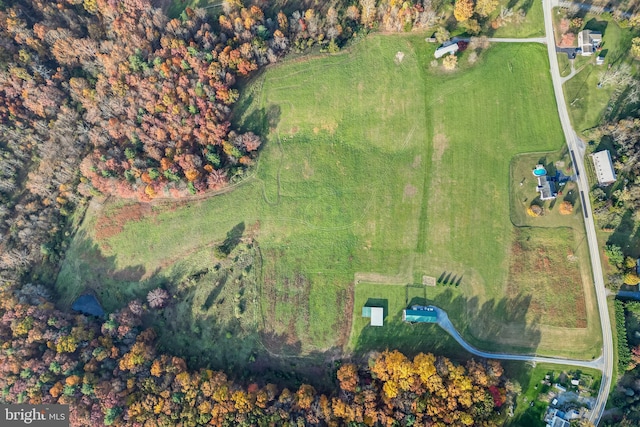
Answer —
375 314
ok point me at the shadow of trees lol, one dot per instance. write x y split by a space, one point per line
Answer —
449 278
594 24
232 239
625 237
85 268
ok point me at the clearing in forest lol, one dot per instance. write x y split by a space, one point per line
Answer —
371 168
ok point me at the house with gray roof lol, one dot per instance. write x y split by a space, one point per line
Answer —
546 188
589 41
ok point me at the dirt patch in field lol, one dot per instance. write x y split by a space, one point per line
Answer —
307 171
112 223
343 325
410 191
440 144
417 161
539 271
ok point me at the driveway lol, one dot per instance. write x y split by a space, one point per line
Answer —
445 323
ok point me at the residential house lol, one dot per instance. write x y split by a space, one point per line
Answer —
555 418
589 41
546 188
448 47
420 314
558 422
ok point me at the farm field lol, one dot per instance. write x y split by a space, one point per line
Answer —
374 170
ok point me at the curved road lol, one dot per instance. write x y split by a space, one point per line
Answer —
445 323
577 148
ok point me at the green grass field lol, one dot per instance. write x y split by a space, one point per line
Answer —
372 169
532 26
564 64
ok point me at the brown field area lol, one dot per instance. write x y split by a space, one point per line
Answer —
541 267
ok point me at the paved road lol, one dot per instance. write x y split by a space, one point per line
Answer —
445 323
577 147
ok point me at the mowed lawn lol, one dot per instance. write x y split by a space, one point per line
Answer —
374 168
588 103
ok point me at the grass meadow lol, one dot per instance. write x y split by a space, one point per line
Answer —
373 171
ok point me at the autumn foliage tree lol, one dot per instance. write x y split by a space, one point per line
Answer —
157 298
486 7
450 62
566 208
463 10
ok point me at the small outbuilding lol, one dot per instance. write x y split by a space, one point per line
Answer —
376 314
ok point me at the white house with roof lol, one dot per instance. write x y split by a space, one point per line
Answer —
604 167
589 41
447 48
546 186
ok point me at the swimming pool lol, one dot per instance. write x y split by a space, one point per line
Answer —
539 171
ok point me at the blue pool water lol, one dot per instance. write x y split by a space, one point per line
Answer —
539 172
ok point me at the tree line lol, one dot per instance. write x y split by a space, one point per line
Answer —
110 373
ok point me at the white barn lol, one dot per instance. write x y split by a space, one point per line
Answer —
446 49
604 167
